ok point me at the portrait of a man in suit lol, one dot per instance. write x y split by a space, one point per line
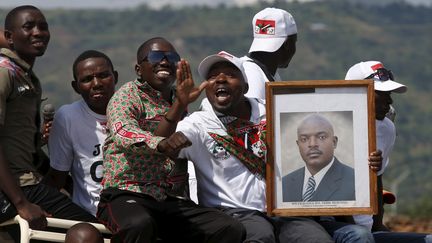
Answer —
324 177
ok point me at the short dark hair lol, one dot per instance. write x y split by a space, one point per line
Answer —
147 43
89 54
10 17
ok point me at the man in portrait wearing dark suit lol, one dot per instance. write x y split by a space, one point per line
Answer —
324 178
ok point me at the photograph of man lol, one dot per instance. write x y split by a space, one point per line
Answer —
324 177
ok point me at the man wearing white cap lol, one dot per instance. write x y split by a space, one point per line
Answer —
273 46
384 85
227 147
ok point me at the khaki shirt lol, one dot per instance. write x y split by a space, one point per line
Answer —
20 97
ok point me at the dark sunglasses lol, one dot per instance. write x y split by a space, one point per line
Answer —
154 57
383 74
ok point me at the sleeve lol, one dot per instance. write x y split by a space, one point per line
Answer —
124 112
5 89
191 131
385 139
59 143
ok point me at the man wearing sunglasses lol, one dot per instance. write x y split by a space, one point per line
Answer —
384 85
143 194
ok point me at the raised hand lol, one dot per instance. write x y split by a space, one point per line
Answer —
186 92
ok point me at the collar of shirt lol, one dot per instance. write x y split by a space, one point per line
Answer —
12 55
318 176
145 87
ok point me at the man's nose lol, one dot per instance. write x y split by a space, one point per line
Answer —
312 141
221 77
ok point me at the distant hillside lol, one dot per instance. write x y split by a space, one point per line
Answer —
333 35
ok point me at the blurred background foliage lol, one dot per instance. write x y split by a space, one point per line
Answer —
333 35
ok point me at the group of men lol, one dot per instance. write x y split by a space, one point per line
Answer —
128 150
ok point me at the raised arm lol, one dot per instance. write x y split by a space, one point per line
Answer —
186 93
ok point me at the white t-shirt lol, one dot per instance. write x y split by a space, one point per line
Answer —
256 79
75 145
222 180
385 139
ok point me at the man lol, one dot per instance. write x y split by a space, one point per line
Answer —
324 177
273 46
27 35
79 130
384 85
141 198
228 149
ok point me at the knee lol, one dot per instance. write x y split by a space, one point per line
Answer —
141 228
353 233
233 231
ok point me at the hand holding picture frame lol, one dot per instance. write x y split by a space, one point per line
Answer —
320 134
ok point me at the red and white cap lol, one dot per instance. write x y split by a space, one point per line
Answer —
362 70
223 56
271 26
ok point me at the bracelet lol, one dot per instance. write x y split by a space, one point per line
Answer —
169 120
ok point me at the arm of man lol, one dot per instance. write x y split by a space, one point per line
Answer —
8 184
186 93
35 215
60 150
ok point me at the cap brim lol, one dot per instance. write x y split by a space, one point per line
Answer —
205 65
267 44
390 85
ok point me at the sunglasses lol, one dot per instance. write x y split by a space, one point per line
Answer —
382 74
154 57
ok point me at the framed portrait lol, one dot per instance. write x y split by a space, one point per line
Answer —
320 134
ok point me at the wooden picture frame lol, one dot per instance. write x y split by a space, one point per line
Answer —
349 107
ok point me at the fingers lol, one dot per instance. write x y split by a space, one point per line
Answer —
183 71
375 160
38 223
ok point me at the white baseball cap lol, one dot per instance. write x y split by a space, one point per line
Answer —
223 56
271 26
363 70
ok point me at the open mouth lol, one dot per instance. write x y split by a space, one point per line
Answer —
163 73
98 95
222 95
38 44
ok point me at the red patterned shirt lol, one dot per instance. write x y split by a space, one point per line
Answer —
131 160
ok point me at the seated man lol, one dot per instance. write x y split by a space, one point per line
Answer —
20 97
79 130
384 85
140 200
227 147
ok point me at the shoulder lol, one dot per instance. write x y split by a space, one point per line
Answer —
346 169
294 174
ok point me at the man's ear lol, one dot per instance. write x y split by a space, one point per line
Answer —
138 70
8 37
246 88
74 85
335 141
115 77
